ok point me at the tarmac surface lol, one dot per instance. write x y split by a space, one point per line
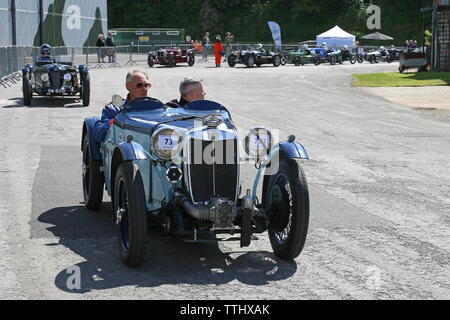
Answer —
378 178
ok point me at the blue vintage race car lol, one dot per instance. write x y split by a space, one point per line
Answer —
49 78
180 167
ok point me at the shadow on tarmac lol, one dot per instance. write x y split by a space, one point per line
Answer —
45 102
91 235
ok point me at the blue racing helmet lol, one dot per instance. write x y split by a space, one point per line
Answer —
46 49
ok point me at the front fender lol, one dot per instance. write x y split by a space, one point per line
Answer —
132 151
88 129
290 149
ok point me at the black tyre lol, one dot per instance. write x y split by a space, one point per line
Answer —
172 61
86 89
93 179
231 60
333 60
371 59
388 59
283 60
129 210
276 60
341 60
316 61
150 61
250 61
26 89
353 59
297 61
286 199
191 60
360 58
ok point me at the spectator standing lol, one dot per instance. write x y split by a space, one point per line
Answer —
111 48
229 39
205 46
218 50
101 48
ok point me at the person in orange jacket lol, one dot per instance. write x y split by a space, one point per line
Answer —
218 50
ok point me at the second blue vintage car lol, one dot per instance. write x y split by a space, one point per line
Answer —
180 168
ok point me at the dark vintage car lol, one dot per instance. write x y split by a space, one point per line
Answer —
50 78
255 55
181 169
171 57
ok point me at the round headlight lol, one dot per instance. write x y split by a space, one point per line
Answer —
45 77
67 77
258 142
166 143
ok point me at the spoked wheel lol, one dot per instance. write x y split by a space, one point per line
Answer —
333 60
297 61
93 179
276 61
353 59
231 60
316 61
86 89
26 89
250 61
191 60
130 216
150 61
283 60
360 58
286 199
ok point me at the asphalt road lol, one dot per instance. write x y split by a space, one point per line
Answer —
378 177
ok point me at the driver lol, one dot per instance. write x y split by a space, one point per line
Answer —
137 85
260 48
306 49
46 54
191 89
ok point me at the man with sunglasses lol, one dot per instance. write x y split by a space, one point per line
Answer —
191 89
137 85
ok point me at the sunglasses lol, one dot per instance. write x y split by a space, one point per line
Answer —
141 84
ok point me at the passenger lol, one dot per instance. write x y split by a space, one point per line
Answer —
137 85
191 89
46 55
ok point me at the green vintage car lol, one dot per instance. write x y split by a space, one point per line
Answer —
303 56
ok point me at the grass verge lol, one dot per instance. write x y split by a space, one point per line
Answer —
397 79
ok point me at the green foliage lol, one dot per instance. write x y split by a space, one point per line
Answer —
247 19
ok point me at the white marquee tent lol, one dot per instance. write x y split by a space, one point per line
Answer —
336 37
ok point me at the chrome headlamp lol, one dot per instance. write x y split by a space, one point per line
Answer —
166 143
45 77
67 77
258 142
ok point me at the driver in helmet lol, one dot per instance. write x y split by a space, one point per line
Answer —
306 49
137 85
46 54
345 52
260 48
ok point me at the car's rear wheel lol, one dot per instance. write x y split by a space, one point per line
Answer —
360 58
297 61
130 216
86 89
231 60
150 61
353 59
93 179
286 200
283 60
172 61
26 89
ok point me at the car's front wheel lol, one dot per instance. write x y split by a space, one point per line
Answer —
286 199
191 60
130 216
86 90
26 89
150 61
353 59
276 61
250 61
93 179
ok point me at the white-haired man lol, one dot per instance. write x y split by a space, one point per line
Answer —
191 89
137 85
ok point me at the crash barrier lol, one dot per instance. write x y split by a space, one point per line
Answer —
12 59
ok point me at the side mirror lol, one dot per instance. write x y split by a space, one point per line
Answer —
117 100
